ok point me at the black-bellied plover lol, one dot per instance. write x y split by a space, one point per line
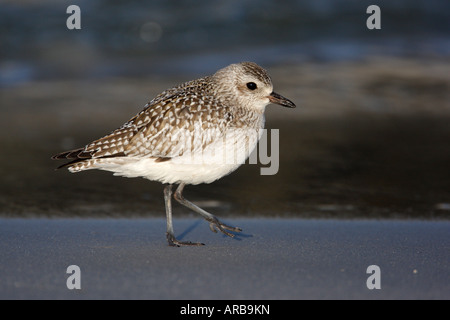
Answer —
194 133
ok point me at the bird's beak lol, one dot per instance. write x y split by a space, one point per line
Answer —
282 101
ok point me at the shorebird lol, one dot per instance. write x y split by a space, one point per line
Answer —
196 132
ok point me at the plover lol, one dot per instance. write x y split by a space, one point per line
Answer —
194 133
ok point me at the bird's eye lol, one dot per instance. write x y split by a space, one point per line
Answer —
251 85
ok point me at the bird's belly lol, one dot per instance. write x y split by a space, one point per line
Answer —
203 165
175 173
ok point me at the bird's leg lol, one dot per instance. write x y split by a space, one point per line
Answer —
170 234
214 223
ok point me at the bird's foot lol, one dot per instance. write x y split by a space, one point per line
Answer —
173 242
215 224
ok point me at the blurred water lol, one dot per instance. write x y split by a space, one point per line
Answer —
195 37
370 136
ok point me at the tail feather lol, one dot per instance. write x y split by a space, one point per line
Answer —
79 155
75 155
69 164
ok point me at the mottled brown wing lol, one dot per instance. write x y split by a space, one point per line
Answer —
176 125
165 129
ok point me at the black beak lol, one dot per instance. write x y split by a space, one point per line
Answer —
282 101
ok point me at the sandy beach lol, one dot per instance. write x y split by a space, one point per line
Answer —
272 259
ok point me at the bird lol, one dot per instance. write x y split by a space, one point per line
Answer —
196 132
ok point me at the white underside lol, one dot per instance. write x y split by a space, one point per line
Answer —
169 171
215 161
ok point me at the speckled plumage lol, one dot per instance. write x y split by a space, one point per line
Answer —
193 133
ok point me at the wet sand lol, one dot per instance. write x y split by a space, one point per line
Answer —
272 259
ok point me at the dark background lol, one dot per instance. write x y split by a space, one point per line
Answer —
370 136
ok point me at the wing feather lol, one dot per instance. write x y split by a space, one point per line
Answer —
167 127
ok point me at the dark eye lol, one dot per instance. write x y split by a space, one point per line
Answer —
251 85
